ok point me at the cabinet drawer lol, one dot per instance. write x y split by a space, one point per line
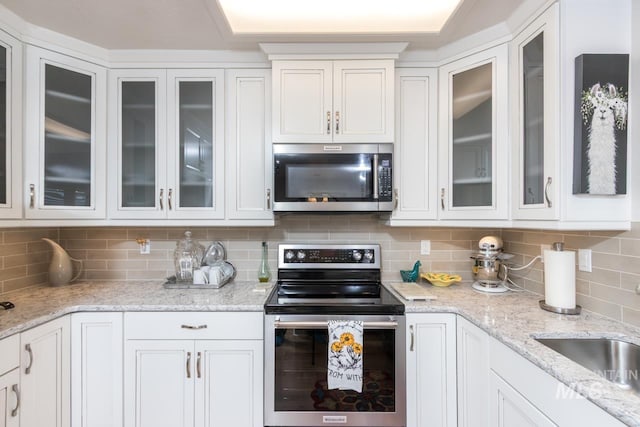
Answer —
193 325
10 351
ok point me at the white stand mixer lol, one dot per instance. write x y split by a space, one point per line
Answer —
489 271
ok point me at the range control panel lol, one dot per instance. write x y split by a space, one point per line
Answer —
328 256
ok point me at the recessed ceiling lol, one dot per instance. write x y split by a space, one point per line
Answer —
337 16
200 24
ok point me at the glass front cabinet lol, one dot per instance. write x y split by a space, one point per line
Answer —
65 138
535 67
10 127
473 154
166 138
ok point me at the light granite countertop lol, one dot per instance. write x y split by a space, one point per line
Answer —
35 306
512 318
515 319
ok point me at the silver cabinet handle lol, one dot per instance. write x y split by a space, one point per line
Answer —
412 337
188 364
268 199
32 196
14 411
27 348
442 198
161 199
328 122
337 121
198 362
396 197
546 192
169 194
193 327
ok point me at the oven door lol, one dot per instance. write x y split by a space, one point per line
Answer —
315 177
296 391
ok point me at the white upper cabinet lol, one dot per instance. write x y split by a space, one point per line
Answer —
64 137
10 127
249 158
415 148
166 135
333 101
547 152
473 167
535 74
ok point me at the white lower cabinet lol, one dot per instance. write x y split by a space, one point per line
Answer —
96 369
9 399
10 382
521 394
431 370
206 372
44 375
473 375
510 408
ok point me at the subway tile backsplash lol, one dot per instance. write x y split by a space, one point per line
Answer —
111 253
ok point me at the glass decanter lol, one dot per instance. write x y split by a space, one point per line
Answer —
187 257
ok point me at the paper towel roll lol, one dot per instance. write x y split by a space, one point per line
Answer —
560 279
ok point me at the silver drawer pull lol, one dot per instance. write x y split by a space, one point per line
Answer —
412 338
188 364
194 327
198 363
14 411
27 348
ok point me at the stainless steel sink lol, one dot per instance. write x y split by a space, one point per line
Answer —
615 360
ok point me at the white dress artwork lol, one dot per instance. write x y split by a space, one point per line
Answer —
604 109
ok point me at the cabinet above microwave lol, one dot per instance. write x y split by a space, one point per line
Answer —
347 101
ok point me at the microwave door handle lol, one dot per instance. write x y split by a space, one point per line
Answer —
375 177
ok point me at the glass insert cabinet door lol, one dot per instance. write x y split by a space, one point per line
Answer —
10 127
535 77
68 126
169 138
533 120
472 130
5 119
195 129
65 172
474 123
138 144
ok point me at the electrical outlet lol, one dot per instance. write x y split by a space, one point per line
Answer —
145 246
584 260
544 248
425 247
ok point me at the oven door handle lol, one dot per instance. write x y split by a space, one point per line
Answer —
278 324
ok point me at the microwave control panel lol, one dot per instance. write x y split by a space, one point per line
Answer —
385 181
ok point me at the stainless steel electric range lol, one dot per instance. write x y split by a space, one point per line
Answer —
317 283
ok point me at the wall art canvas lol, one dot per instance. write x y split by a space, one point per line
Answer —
600 127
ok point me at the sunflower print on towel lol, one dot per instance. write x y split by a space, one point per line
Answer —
346 352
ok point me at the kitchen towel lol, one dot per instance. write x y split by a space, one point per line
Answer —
344 367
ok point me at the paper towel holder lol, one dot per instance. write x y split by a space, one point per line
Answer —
559 246
560 310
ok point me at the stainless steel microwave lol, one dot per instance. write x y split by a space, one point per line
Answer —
333 177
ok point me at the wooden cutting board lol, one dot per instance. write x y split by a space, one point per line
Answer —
413 291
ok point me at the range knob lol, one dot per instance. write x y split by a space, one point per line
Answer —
368 255
288 255
301 255
356 255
